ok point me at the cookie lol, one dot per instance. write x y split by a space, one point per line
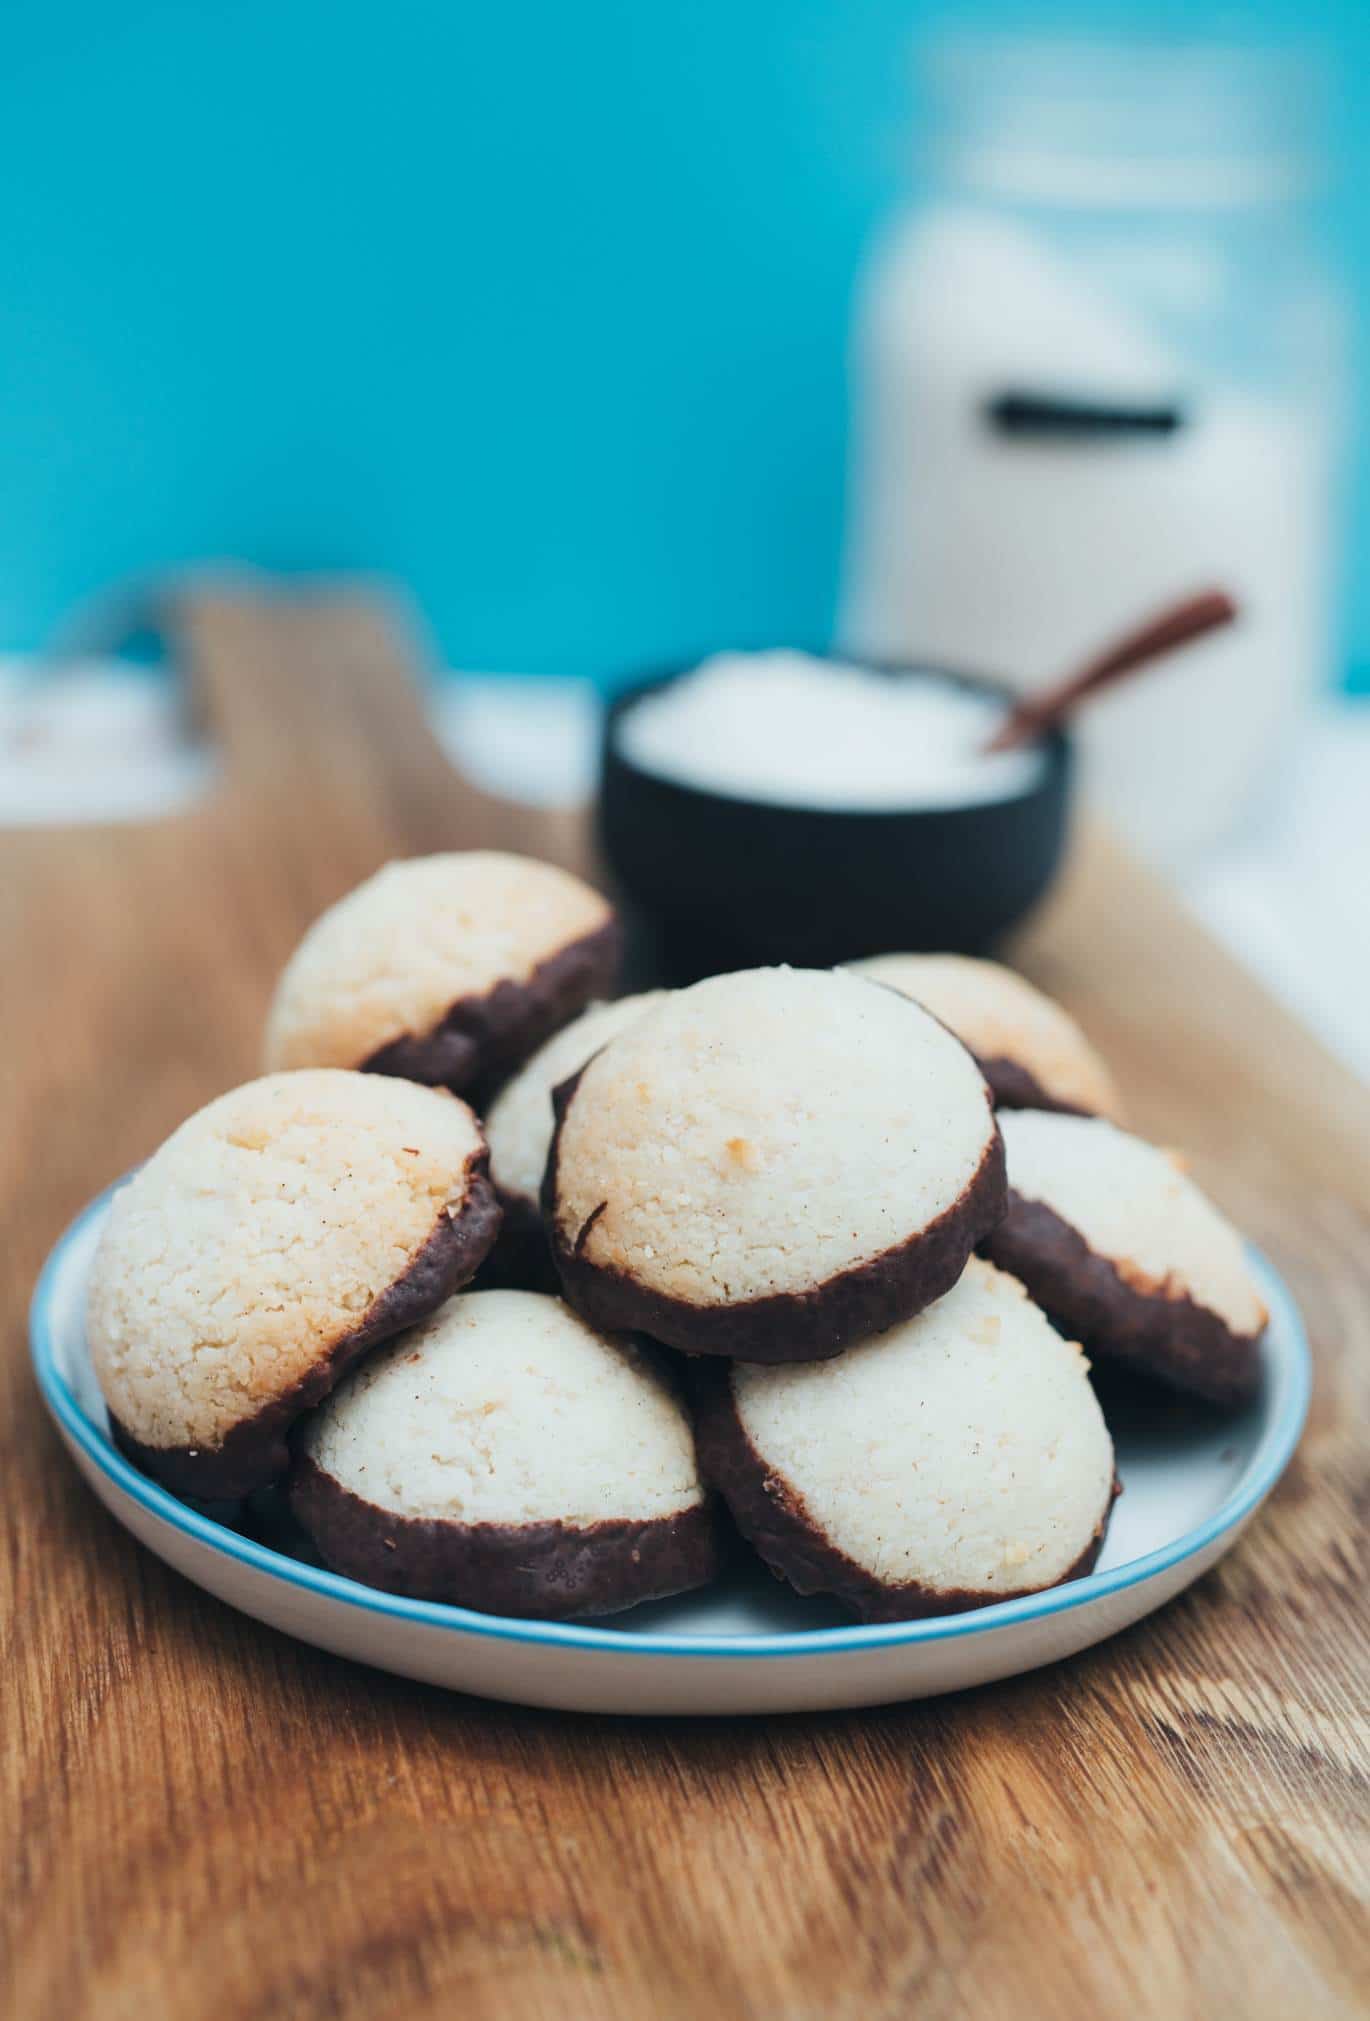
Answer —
957 1460
1032 1053
278 1234
445 969
504 1456
1126 1254
519 1125
771 1165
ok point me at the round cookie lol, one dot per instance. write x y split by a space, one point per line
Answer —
957 1460
771 1165
519 1126
1126 1254
506 1457
1032 1053
444 969
273 1238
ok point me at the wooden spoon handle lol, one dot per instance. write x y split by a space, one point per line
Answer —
1176 626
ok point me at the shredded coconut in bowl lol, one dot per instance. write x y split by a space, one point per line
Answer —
796 731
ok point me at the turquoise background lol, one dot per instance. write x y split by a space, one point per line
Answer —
541 307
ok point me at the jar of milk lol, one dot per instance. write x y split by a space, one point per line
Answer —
1099 364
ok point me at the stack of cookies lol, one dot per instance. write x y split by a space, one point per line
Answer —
828 1249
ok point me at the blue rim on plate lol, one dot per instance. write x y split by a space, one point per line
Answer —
1287 1411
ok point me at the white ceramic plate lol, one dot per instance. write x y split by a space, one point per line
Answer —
1191 1480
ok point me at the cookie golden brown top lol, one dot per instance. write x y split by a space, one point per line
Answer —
1004 1021
962 1453
1134 1206
504 1407
264 1232
763 1132
389 962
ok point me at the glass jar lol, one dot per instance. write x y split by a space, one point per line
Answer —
1099 364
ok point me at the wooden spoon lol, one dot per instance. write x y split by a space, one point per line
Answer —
1178 625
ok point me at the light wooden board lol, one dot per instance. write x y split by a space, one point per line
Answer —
201 1818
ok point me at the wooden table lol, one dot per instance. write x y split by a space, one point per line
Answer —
205 1819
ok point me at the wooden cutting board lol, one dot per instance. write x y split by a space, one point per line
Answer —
202 1818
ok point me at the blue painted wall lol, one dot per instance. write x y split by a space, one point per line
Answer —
540 306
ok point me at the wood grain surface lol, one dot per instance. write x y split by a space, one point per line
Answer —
202 1818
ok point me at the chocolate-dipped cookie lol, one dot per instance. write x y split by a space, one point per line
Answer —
1032 1053
957 1460
504 1456
771 1165
1126 1254
444 969
519 1125
278 1234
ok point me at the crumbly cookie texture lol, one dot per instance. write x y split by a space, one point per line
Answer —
390 959
1133 1205
259 1235
962 1452
761 1132
1001 1016
519 1122
506 1408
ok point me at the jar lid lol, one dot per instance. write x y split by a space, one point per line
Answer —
1144 123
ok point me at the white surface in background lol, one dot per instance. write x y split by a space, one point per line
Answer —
523 738
1291 895
94 742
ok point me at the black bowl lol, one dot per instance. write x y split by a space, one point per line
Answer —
725 883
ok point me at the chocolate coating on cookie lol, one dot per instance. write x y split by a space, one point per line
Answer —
505 1457
1032 1053
957 1461
771 1165
1124 1253
521 1259
479 1040
277 1236
551 1571
808 1324
1088 1296
1014 1086
449 970
255 1450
